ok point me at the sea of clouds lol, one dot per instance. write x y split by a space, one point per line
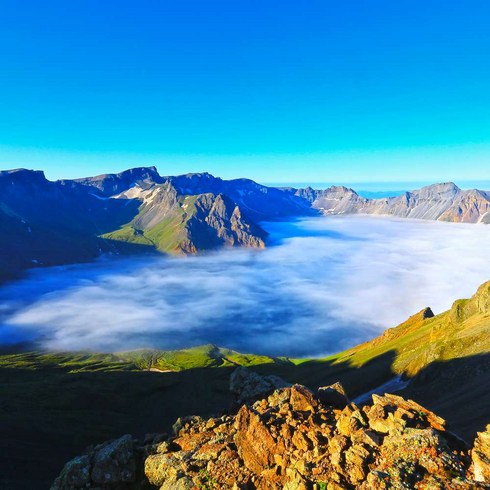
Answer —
323 285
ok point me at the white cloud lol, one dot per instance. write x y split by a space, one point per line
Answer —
327 284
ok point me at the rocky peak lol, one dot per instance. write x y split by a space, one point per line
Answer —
293 438
340 190
446 190
426 313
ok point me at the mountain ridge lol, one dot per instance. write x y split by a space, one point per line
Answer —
47 222
443 202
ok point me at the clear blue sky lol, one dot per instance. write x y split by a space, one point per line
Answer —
347 91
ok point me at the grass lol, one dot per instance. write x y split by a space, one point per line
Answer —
167 236
461 331
65 362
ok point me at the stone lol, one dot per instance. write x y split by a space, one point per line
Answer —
347 423
114 462
255 444
302 399
356 460
480 456
389 400
249 386
178 483
333 395
337 446
162 467
291 440
75 474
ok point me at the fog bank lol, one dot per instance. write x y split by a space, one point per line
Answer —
324 285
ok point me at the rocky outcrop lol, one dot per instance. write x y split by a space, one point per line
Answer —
294 439
480 456
248 386
219 220
109 465
259 202
479 303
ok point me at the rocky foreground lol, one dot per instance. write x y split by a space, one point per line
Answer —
291 439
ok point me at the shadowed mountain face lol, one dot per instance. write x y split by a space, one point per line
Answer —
444 202
257 201
48 223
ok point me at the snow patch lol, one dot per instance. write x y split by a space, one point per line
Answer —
98 197
393 385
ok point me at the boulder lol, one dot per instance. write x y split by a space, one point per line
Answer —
249 386
75 474
255 444
114 462
107 465
302 399
333 395
160 468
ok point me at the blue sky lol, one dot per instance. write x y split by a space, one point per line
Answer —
315 91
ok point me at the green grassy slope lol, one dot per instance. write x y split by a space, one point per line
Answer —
169 235
460 332
172 233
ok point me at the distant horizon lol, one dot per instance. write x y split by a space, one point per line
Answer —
457 163
368 189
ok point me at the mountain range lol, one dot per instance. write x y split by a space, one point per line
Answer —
443 202
139 211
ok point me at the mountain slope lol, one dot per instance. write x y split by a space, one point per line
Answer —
459 332
47 223
171 222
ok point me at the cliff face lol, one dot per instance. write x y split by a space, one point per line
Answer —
292 439
444 202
